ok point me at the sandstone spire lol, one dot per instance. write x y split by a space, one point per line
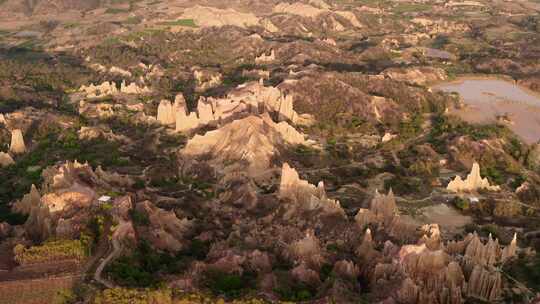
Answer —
484 284
366 251
6 159
29 201
510 250
204 109
286 111
346 269
473 182
185 123
382 211
17 142
307 250
165 114
482 254
305 194
384 206
180 104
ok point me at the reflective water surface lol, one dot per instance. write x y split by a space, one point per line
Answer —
489 99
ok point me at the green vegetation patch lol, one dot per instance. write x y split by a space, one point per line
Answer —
229 285
180 22
113 11
133 20
16 180
52 251
125 295
143 267
403 8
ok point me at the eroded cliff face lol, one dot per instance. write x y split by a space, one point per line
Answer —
430 271
304 195
164 230
252 98
252 142
63 207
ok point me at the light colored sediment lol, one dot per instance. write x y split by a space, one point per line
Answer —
473 182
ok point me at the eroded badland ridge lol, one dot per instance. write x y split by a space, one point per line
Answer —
267 151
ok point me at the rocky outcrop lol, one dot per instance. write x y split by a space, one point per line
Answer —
263 58
17 142
105 89
417 76
473 182
6 160
251 98
164 230
209 16
388 137
351 17
366 250
485 284
307 250
207 80
63 209
305 195
205 111
165 113
186 123
252 142
382 211
298 8
24 206
119 71
302 273
488 254
93 133
429 271
133 88
346 270
109 89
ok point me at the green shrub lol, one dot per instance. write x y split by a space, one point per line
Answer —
294 292
139 218
462 204
440 41
229 285
526 270
494 175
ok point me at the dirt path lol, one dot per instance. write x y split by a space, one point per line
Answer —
119 233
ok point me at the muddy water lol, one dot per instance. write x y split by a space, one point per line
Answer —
486 99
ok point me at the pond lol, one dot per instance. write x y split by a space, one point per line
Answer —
492 100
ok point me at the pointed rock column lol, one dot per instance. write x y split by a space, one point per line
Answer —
185 123
180 104
17 142
206 114
165 114
510 250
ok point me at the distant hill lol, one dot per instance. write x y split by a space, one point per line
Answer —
30 7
